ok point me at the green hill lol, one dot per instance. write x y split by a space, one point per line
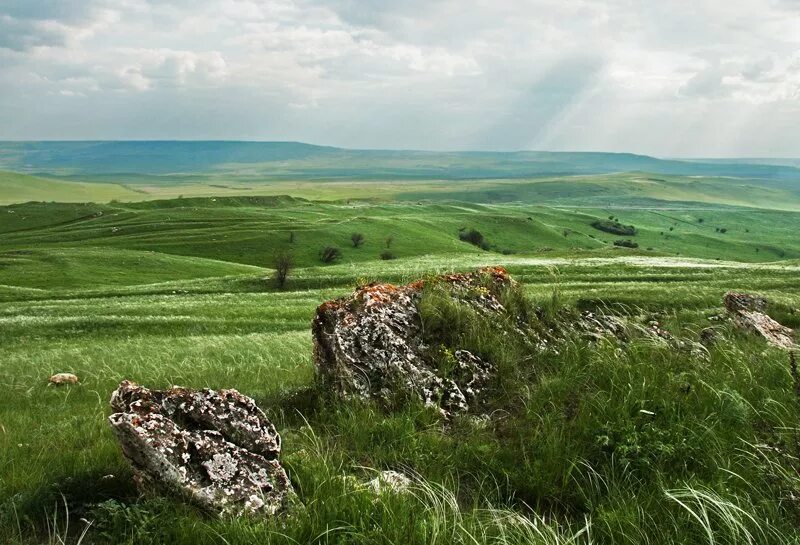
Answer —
15 187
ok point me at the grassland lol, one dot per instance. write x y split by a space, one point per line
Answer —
637 444
238 330
16 187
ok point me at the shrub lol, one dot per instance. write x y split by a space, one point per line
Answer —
329 254
626 243
386 255
357 239
283 263
475 238
614 227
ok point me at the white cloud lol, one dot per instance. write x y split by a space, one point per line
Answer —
647 76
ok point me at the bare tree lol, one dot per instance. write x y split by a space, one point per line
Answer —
357 239
283 263
389 241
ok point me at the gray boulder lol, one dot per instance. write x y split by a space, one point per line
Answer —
216 449
748 314
370 344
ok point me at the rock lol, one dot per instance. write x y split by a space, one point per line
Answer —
598 326
708 336
63 378
370 345
216 449
747 311
389 481
736 302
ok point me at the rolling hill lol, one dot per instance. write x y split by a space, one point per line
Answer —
294 160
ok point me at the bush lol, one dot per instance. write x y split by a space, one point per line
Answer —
626 243
387 255
475 238
329 254
614 227
357 239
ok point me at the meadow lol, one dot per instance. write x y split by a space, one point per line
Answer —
638 443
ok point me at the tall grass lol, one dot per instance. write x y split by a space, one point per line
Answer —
641 442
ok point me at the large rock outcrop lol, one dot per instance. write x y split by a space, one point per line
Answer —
217 449
748 313
370 345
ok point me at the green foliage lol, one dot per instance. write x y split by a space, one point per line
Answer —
614 227
357 239
474 237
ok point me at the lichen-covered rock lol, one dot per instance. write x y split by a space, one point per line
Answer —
748 314
217 449
370 344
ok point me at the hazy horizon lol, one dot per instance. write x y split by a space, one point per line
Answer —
325 145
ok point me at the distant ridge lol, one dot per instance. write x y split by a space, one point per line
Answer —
297 160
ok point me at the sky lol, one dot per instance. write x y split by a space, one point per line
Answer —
671 78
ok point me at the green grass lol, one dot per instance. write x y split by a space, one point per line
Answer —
177 292
16 188
608 466
251 230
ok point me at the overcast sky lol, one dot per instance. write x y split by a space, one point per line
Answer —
664 77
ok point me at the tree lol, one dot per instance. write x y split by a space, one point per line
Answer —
283 264
329 254
389 241
291 237
357 239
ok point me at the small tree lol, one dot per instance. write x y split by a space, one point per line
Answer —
283 264
357 239
291 237
389 241
329 254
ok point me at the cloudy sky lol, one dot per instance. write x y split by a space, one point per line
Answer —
664 77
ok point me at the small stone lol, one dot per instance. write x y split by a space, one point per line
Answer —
63 378
389 481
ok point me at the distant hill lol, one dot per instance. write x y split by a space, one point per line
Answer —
15 187
294 160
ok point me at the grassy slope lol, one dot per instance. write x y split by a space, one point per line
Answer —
162 292
229 332
251 230
16 188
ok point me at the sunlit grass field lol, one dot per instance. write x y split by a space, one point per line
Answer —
600 443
